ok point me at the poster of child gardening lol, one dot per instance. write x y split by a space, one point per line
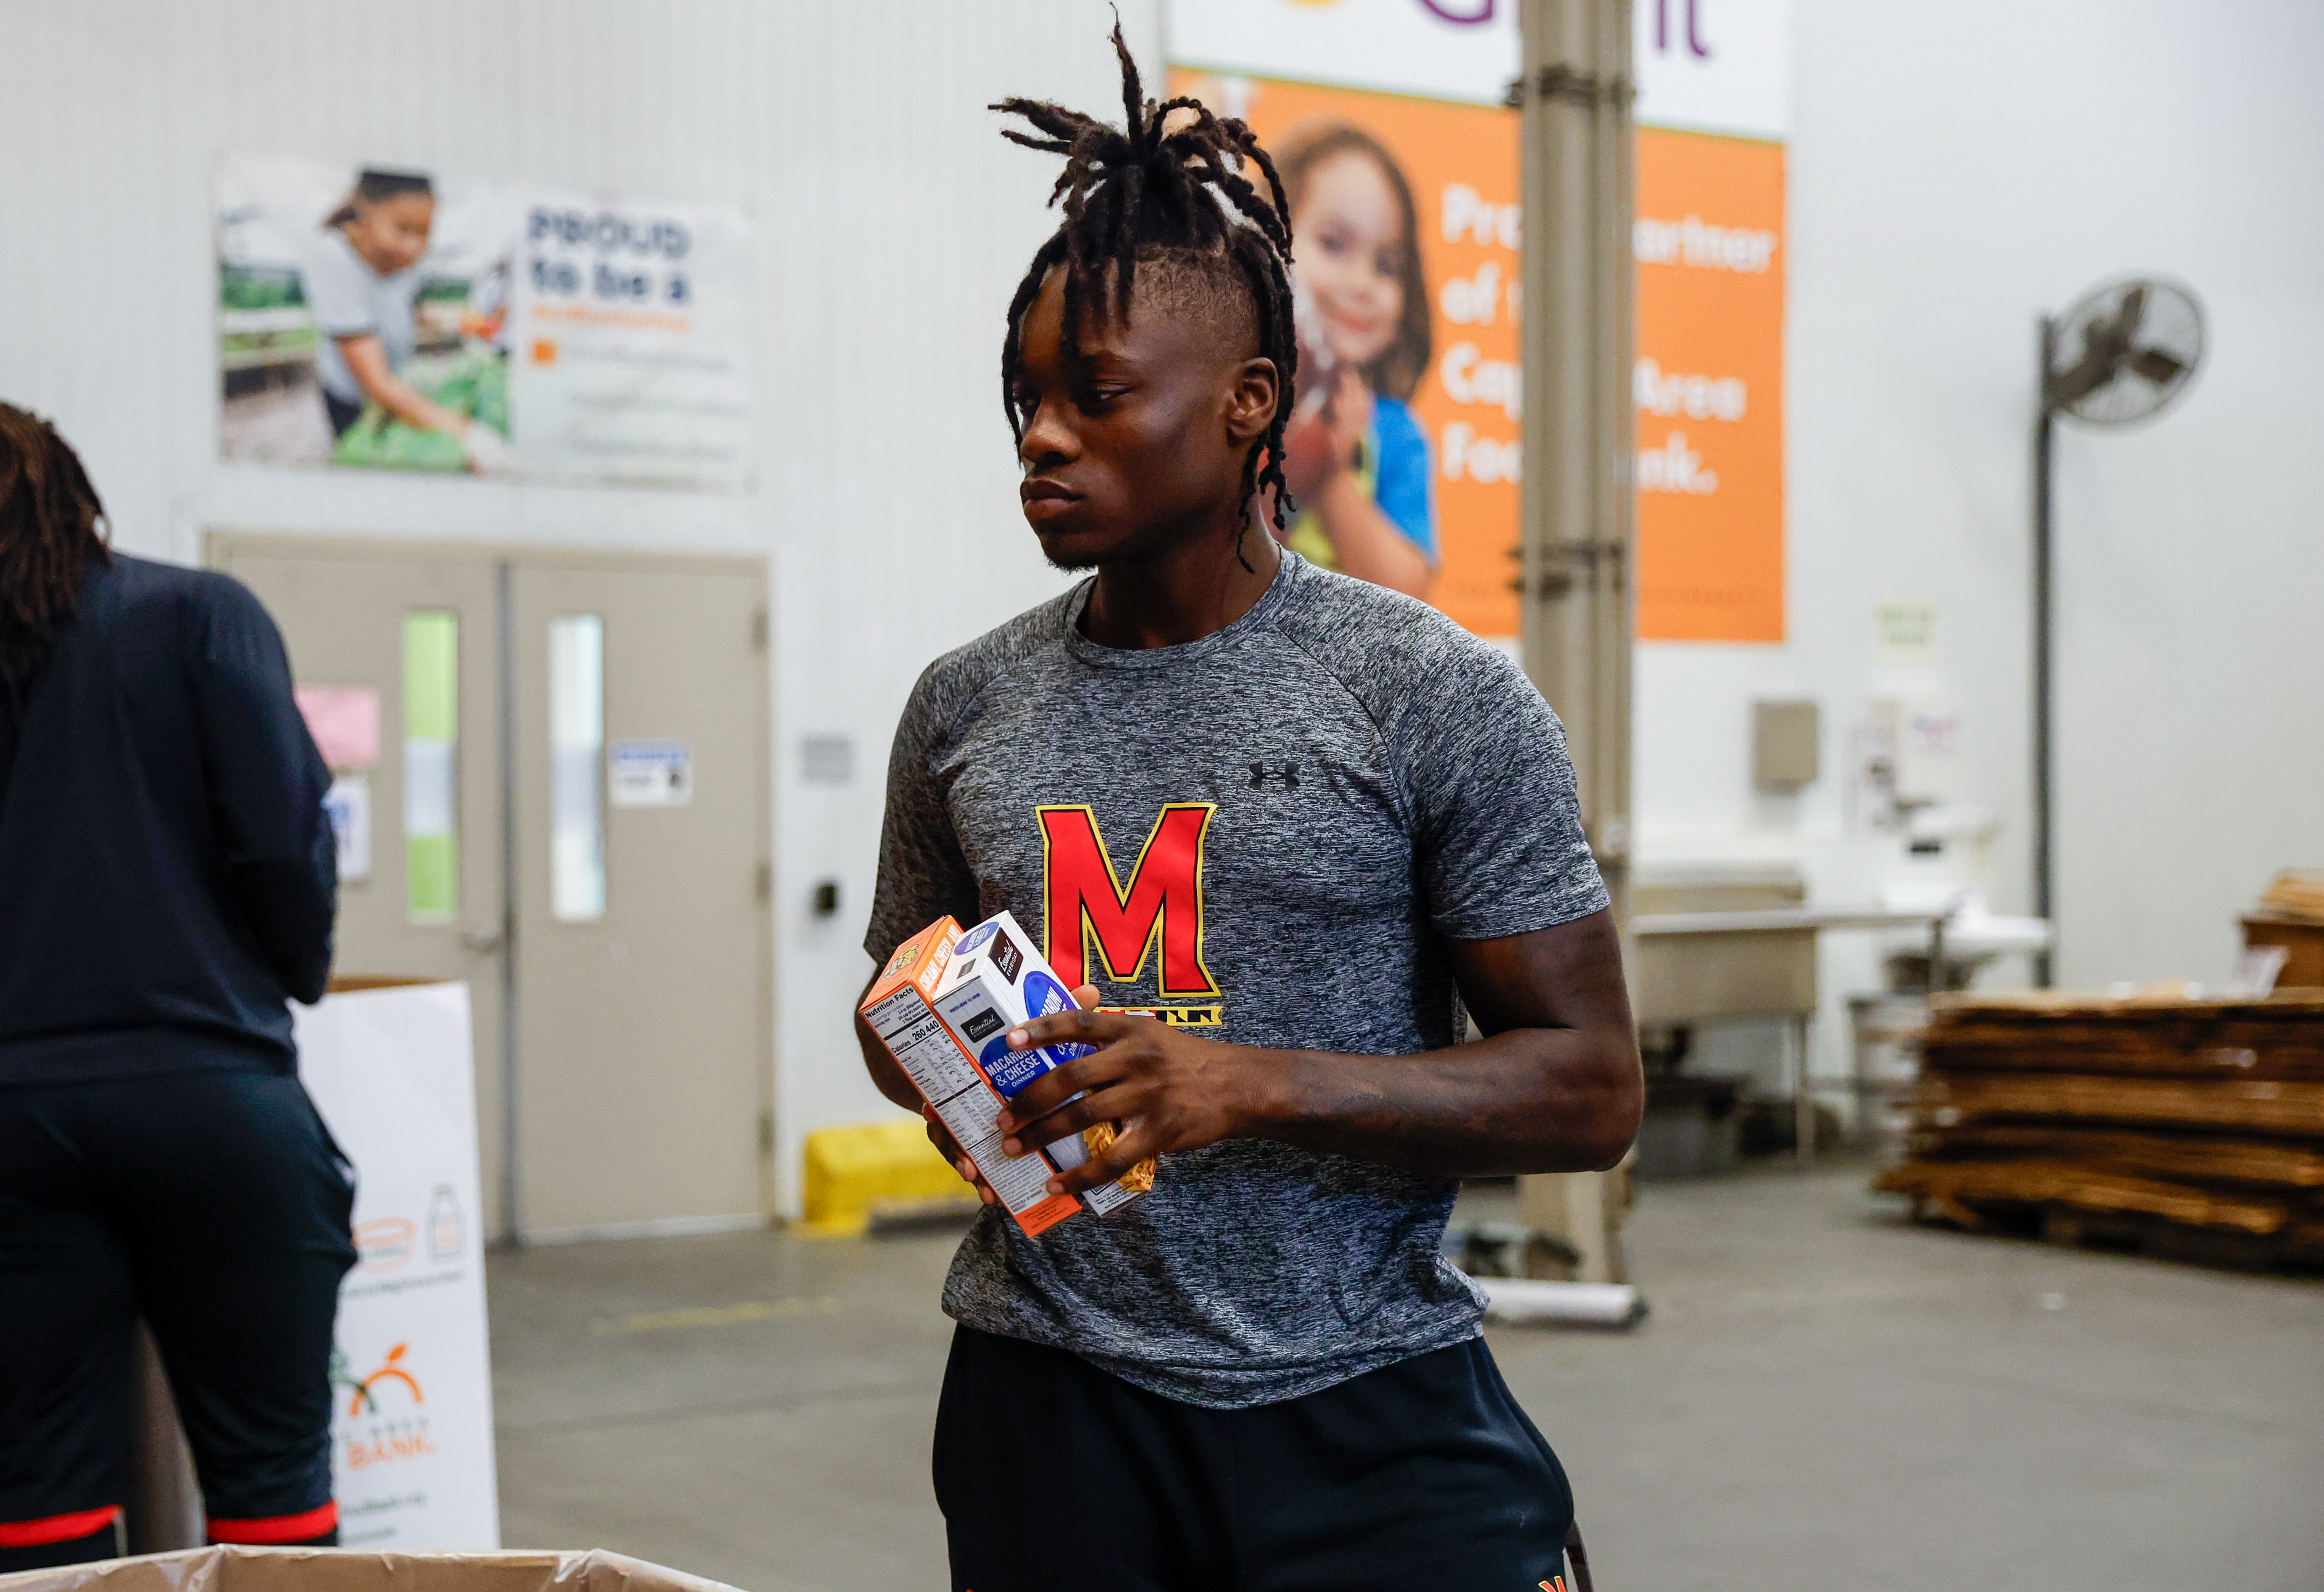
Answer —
381 317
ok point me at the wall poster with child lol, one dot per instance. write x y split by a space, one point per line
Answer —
1402 169
1403 448
390 318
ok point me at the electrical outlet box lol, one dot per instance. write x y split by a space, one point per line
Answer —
1786 745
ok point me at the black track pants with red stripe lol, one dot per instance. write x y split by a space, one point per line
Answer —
215 1204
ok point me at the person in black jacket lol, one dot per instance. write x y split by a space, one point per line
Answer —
167 886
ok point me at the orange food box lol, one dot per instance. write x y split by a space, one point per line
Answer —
902 1006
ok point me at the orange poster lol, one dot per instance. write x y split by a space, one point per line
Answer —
1449 382
1708 387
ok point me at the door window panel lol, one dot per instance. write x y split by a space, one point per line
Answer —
576 750
431 742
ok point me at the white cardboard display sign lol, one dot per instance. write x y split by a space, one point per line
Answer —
412 1418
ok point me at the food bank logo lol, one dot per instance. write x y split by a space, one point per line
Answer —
1086 902
384 1436
364 1398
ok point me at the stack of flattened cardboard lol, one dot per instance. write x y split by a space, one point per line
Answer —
2296 892
2290 918
2143 1116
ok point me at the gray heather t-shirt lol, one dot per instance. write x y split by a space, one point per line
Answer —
348 298
1267 835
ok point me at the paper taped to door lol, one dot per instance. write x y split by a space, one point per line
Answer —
651 774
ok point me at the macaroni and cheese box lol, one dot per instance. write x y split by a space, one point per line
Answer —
944 1006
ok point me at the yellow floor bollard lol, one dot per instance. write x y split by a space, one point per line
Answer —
865 1170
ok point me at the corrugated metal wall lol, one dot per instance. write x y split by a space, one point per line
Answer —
891 224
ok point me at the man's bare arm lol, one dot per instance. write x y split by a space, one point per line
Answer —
1554 1086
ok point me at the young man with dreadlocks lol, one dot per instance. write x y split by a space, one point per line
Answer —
1281 826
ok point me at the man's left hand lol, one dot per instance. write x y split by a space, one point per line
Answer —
1168 1089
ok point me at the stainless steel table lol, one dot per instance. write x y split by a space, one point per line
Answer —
1690 967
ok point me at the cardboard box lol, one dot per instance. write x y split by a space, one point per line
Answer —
944 1006
2302 940
342 1569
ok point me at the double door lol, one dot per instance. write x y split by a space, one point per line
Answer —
551 777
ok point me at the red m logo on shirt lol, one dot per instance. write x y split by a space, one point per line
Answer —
1085 898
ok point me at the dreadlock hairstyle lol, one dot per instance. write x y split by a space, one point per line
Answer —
1175 200
48 537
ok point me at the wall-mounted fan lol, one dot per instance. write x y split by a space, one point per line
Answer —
2124 353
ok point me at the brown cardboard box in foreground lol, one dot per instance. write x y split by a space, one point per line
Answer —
348 1569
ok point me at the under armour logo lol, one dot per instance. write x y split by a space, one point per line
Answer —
1288 775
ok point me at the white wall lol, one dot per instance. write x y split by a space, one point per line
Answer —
1954 170
892 223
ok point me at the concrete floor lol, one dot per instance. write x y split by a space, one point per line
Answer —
1825 1398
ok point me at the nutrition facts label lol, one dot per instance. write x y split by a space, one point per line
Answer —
967 1107
922 1047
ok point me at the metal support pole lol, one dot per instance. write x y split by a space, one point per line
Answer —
1580 432
2045 429
1801 1032
1579 442
512 1203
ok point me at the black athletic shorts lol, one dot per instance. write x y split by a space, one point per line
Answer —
1421 1477
215 1204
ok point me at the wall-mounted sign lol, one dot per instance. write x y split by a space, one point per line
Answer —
1905 634
1462 50
1707 384
827 760
1442 450
343 721
1708 379
347 804
393 318
649 773
1714 103
1713 66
